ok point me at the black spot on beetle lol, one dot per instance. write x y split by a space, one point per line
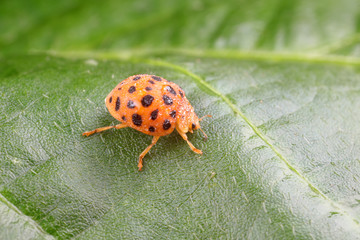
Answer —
151 129
173 114
148 88
123 118
119 88
156 78
117 104
131 104
110 99
167 100
136 119
166 124
132 89
154 114
147 100
170 90
136 78
181 94
151 81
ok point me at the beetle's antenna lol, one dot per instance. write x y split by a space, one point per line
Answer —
204 116
205 136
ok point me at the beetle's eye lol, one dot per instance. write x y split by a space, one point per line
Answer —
193 126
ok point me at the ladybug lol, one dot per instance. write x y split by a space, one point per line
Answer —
154 106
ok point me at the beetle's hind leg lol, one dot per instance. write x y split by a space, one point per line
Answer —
121 125
142 155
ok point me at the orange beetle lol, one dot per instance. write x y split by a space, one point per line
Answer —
154 106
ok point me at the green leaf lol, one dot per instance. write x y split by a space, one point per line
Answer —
282 158
14 225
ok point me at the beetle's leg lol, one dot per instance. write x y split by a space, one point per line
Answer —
183 135
121 125
142 155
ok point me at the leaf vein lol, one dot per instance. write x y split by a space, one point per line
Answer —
45 234
249 55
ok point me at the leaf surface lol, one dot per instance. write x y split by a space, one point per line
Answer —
282 157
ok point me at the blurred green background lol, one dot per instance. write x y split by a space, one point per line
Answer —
281 79
269 25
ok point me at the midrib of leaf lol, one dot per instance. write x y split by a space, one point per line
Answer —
22 215
249 55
